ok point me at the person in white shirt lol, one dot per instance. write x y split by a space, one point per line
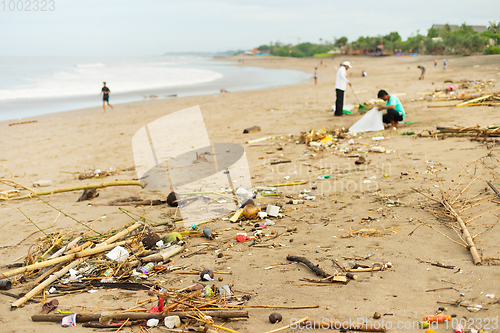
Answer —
340 85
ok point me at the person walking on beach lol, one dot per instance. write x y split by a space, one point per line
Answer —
316 76
395 110
105 97
340 85
444 63
422 68
435 62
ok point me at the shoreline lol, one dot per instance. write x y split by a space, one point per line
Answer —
258 78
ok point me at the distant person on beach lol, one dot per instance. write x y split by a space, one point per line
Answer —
105 97
422 68
315 75
444 63
364 74
395 111
435 62
340 85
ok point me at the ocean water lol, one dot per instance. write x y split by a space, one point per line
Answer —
32 86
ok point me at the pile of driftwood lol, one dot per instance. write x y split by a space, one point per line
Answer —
58 265
490 100
465 205
457 131
476 99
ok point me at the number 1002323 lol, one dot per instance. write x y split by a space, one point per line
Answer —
27 5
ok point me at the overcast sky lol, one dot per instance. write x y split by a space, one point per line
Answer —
153 27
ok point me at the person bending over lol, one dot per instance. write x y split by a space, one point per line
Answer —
395 111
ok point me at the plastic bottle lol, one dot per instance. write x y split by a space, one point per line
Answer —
147 268
349 264
208 233
459 329
324 177
351 276
439 319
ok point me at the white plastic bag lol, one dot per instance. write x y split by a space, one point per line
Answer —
371 122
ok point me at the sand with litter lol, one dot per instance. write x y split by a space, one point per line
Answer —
59 144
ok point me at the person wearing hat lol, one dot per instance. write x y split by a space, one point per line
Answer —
395 111
340 85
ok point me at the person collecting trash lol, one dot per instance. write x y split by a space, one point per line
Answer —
395 111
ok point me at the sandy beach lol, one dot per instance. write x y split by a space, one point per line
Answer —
376 195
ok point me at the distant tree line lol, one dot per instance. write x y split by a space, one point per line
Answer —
462 40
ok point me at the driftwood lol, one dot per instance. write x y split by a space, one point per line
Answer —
45 284
23 122
66 248
470 131
115 325
84 317
472 101
75 188
470 242
163 255
315 269
65 258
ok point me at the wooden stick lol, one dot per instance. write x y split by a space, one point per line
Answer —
77 188
65 248
65 258
288 326
79 248
45 283
300 182
465 231
472 101
121 234
47 273
134 316
315 269
275 306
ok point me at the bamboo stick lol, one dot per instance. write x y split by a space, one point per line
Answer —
45 283
465 231
472 101
121 234
77 188
65 258
79 248
65 248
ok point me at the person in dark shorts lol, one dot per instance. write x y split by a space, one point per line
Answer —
315 75
422 68
395 110
105 97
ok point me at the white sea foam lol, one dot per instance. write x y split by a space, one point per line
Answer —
86 79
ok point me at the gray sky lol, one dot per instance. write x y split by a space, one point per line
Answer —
153 27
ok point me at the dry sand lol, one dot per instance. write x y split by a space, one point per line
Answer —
88 139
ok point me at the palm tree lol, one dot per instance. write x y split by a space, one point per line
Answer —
494 27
